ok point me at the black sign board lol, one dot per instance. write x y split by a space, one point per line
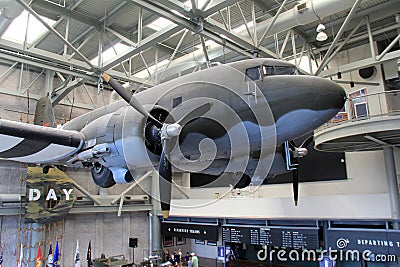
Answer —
190 230
386 242
298 238
246 235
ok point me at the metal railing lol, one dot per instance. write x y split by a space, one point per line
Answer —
367 106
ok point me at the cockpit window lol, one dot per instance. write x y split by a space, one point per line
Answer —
279 70
268 70
254 73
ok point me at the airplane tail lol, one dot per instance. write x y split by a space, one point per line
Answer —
44 114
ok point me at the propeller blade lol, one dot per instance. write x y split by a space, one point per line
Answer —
165 181
307 141
195 113
128 97
295 174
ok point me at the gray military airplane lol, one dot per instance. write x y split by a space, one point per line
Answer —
237 119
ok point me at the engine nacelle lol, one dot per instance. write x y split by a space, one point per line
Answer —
121 145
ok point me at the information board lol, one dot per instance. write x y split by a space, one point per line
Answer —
246 235
301 238
190 230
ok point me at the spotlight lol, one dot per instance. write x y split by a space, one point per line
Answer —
320 27
321 36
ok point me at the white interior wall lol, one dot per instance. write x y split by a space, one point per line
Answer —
377 103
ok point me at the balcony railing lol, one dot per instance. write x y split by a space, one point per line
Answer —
367 106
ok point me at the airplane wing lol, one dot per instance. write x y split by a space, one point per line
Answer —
37 144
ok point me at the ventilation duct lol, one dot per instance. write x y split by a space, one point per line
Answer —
304 13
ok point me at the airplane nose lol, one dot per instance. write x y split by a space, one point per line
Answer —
320 98
331 98
331 93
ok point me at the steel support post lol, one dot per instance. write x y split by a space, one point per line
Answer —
392 183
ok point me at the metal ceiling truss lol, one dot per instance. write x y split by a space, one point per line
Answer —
63 63
71 61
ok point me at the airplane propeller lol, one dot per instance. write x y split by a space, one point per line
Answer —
128 97
168 134
298 152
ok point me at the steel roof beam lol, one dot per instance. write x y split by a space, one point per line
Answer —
36 15
210 29
146 43
46 60
59 95
218 5
338 36
42 4
43 35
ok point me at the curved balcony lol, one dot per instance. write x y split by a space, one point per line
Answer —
371 122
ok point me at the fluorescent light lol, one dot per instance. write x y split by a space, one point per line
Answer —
110 53
17 29
159 24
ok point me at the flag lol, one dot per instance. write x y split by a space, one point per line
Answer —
39 259
56 257
21 257
49 260
89 255
77 259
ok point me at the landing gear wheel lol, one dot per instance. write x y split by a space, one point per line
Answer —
102 176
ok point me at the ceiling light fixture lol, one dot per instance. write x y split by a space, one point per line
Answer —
321 36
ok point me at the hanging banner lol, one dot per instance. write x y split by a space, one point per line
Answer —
49 197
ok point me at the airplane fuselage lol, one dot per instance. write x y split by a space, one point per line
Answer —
256 106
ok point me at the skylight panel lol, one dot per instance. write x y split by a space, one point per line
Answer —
17 29
159 24
200 3
110 53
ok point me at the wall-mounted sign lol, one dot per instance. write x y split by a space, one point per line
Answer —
386 242
49 196
190 230
295 237
246 235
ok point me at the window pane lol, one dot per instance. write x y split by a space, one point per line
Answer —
285 70
254 73
268 70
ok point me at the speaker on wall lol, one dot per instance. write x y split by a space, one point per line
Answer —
133 242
